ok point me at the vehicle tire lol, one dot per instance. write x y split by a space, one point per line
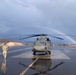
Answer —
49 52
34 53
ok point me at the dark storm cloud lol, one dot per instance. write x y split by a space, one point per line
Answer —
16 15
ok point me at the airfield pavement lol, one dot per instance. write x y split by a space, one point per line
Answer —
21 61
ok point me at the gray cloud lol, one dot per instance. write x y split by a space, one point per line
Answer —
16 15
60 14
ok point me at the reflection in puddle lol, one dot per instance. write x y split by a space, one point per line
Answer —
42 66
4 66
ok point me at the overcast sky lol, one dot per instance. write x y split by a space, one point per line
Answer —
17 15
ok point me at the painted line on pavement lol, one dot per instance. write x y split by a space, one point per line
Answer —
17 50
29 67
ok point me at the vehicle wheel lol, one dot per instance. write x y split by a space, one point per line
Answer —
49 52
34 53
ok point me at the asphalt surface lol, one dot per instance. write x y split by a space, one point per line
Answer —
21 61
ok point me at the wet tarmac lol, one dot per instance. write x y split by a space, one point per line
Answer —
21 61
